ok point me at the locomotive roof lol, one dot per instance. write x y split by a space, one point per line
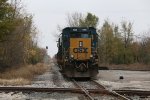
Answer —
79 29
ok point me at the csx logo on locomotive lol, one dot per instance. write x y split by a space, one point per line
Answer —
80 50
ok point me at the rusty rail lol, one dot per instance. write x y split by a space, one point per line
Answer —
35 89
100 87
87 93
133 92
76 90
111 92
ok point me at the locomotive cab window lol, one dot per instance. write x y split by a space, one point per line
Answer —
84 35
79 35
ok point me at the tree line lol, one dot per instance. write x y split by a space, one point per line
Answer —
118 44
18 36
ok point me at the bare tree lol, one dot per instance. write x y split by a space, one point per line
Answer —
73 20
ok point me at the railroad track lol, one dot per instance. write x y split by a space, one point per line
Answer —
121 96
86 91
72 90
85 88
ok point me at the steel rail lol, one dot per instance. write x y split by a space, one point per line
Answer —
112 92
121 96
99 85
102 87
133 92
87 93
35 89
75 90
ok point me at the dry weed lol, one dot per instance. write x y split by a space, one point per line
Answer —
14 82
22 75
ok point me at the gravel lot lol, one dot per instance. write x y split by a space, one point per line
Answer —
139 80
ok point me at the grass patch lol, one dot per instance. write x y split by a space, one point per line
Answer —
22 75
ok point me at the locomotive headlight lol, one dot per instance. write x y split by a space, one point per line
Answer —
72 56
91 56
66 59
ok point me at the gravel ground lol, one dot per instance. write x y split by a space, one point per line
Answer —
139 80
40 96
105 97
140 98
56 96
88 85
136 80
51 79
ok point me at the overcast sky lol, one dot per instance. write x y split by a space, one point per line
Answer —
50 13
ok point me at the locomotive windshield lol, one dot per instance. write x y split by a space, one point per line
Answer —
79 35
